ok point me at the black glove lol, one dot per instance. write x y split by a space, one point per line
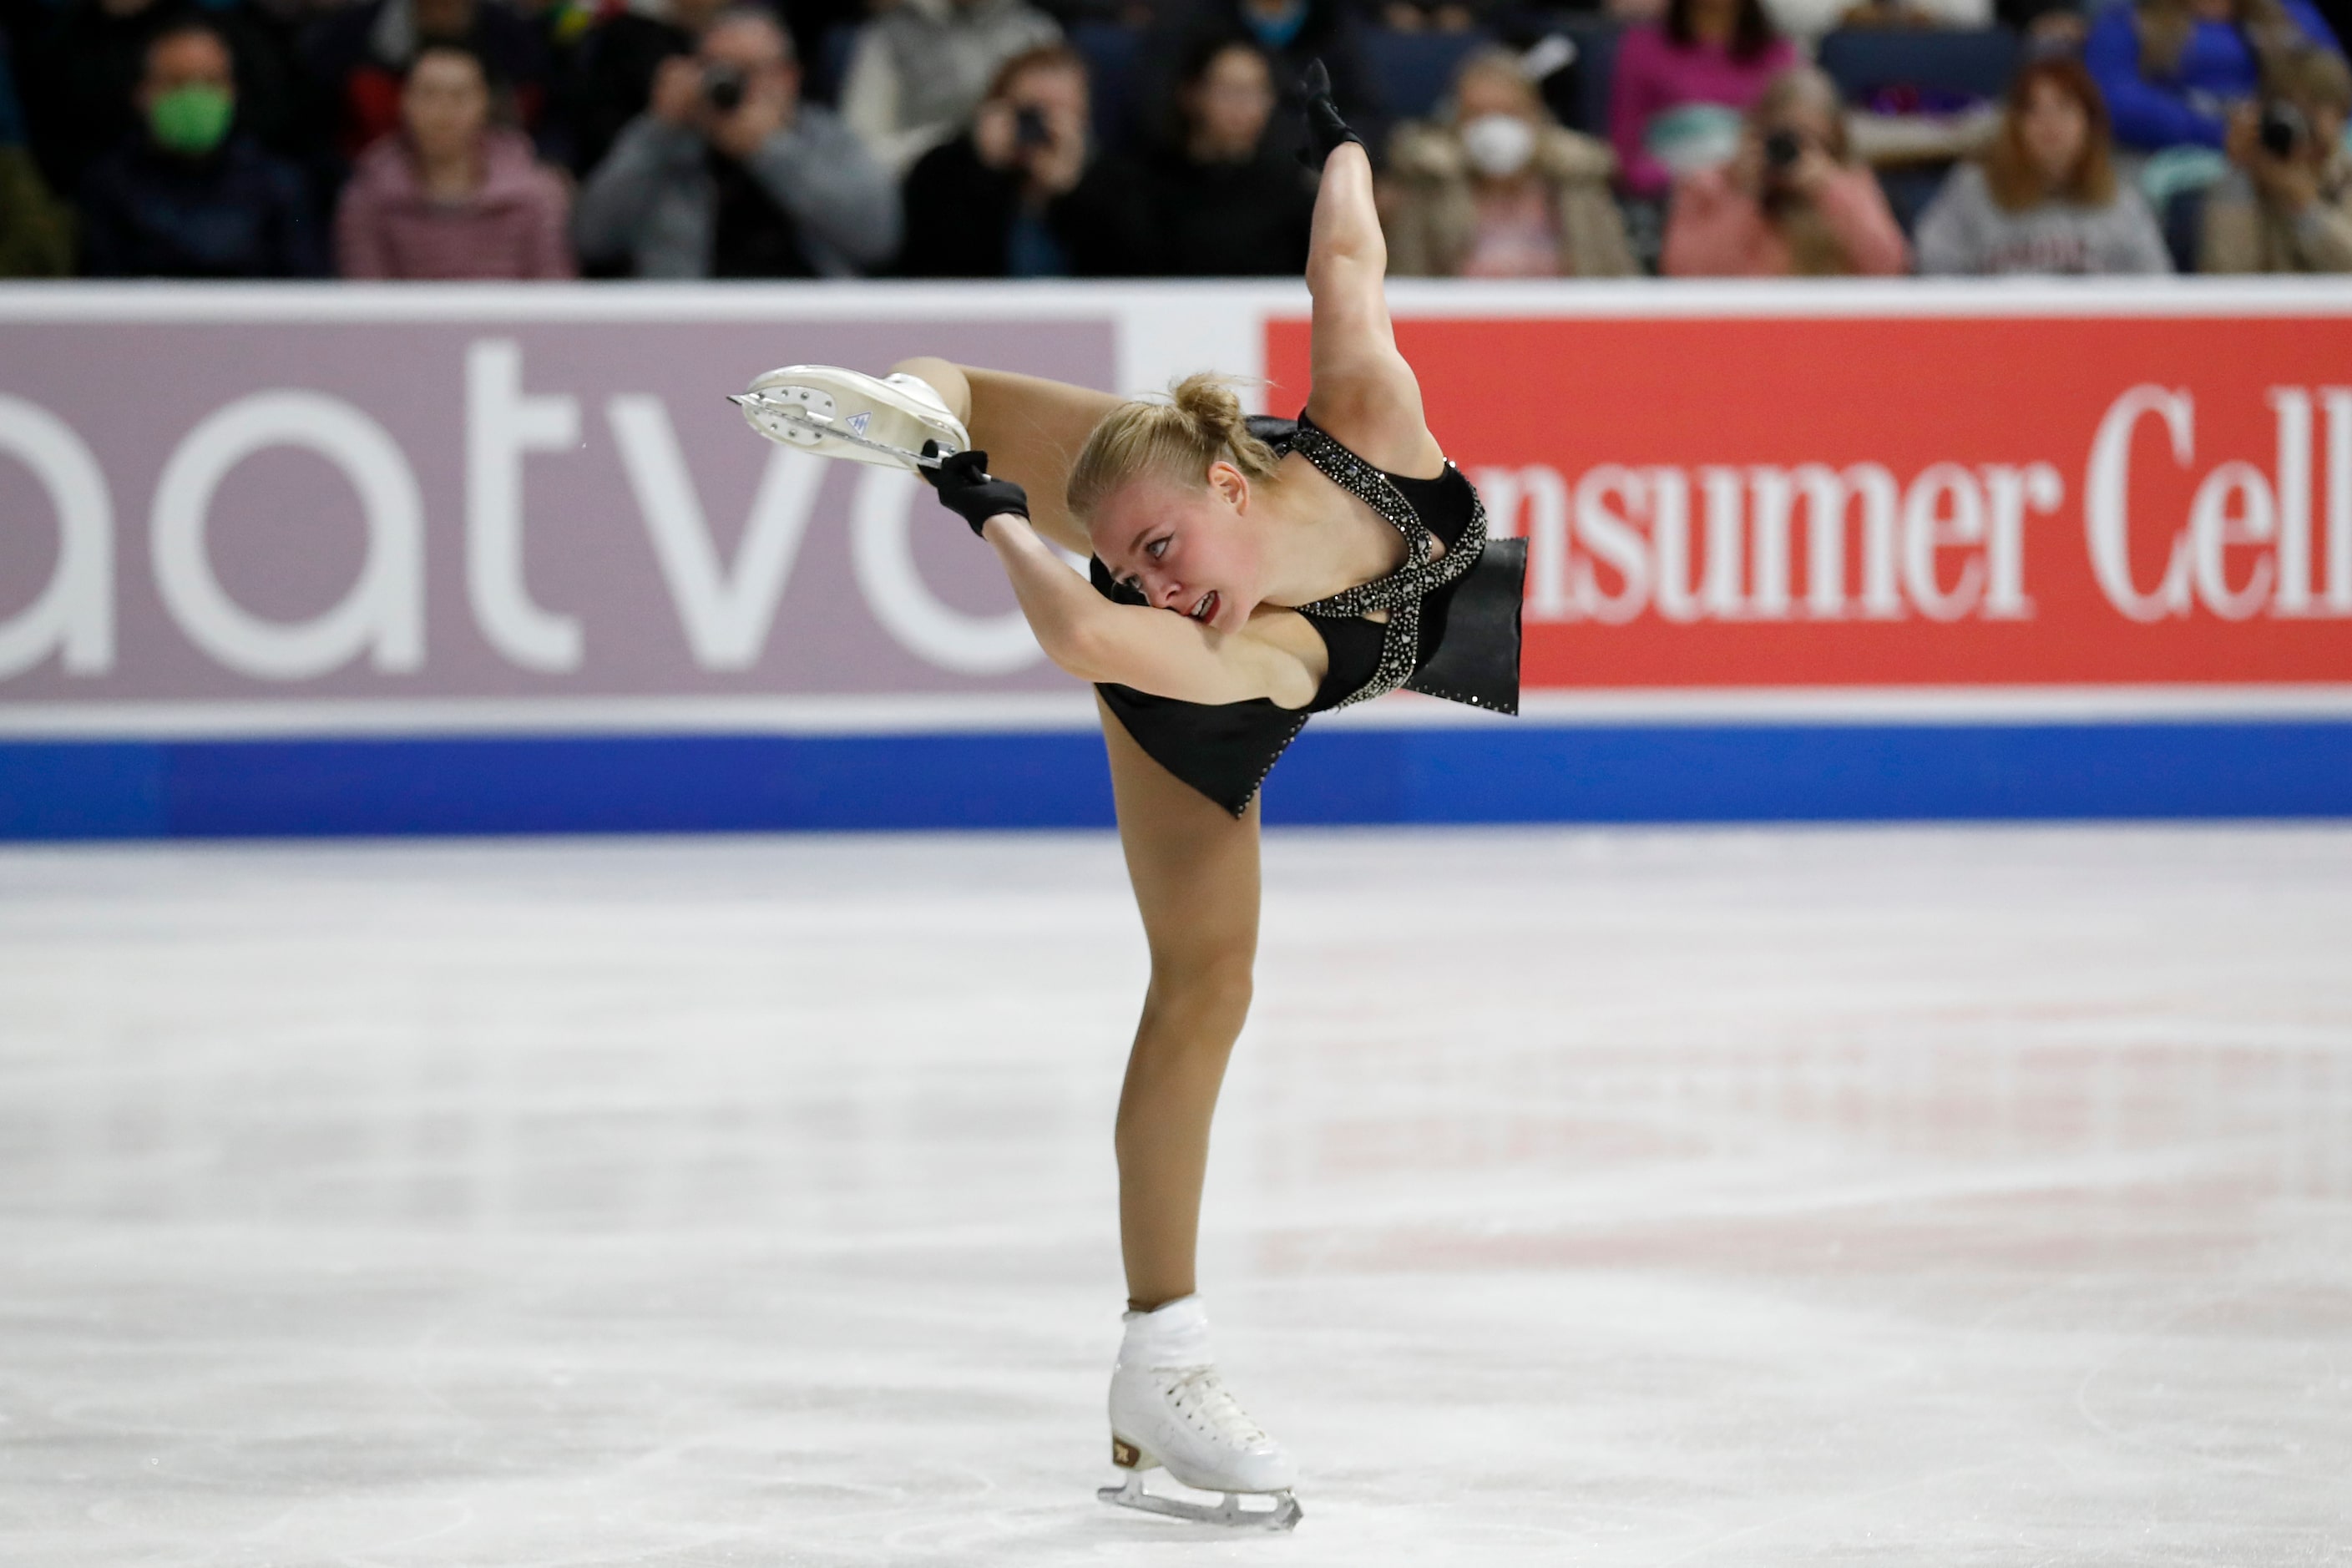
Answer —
966 490
1325 129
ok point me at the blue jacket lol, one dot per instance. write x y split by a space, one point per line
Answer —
239 212
2191 106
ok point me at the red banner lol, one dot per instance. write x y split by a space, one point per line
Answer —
1881 500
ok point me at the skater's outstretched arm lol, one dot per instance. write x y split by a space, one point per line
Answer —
1096 639
1364 394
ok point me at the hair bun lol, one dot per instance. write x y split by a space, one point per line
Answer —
1201 422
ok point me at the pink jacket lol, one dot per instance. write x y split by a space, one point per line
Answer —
513 228
1717 230
1652 76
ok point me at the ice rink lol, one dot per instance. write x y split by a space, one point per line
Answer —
1919 1196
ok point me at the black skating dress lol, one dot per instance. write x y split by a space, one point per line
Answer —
1452 628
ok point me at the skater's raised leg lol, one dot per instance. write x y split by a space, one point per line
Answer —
1032 429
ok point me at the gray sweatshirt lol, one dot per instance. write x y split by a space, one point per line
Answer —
651 203
921 67
1964 232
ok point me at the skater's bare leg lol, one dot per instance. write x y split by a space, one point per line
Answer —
1031 429
1195 870
1193 864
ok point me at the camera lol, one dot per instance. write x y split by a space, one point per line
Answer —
722 88
1782 151
1029 128
2282 130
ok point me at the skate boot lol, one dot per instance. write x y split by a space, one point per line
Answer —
1169 1408
840 413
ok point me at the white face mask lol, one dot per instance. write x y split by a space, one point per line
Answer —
1498 145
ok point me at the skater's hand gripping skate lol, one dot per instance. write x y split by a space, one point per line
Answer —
968 490
1326 128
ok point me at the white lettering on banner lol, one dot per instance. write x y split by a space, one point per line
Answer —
2010 493
881 550
725 615
501 425
2106 502
1943 509
1612 540
2214 525
1634 525
1543 495
2338 402
384 613
1828 494
74 615
2236 506
2292 405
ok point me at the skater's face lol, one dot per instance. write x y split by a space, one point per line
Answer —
1187 549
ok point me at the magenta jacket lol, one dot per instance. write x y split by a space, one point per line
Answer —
1652 76
513 228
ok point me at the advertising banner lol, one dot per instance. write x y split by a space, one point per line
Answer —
1881 501
398 560
405 510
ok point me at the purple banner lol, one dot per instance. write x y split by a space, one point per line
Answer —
473 510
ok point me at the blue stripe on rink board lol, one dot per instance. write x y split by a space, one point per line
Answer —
181 788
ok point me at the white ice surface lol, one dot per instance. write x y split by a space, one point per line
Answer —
1916 1197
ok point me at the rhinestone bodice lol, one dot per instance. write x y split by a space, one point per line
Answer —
1402 591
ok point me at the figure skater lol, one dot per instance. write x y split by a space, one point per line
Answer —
1246 573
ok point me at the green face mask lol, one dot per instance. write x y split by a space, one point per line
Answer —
191 120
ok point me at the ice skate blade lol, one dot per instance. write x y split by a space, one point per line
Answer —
1285 1514
795 416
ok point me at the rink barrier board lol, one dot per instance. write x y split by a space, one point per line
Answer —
196 788
587 600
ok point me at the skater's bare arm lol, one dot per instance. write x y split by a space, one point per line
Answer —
1364 392
1151 650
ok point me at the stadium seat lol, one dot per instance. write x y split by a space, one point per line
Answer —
1946 63
1415 70
1595 38
1110 48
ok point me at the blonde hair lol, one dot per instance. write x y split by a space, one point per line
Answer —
1201 422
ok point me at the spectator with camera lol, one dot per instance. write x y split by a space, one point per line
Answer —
1221 203
2044 197
921 68
729 173
2172 70
450 195
1681 85
1495 187
1791 203
613 78
191 196
1022 194
2286 205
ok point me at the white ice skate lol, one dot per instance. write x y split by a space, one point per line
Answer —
1169 1408
840 413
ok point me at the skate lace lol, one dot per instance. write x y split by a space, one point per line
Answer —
1201 1396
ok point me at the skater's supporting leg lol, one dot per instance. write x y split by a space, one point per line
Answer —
1195 870
1031 429
1194 867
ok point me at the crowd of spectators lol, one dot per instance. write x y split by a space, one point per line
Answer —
690 139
